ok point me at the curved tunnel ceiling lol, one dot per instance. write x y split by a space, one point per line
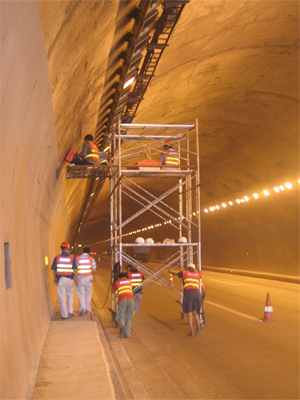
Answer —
234 65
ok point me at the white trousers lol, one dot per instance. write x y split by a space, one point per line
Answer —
65 290
84 292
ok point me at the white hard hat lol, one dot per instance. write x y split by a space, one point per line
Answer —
191 265
149 241
139 240
182 239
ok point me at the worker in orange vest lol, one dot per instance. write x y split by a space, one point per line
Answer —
136 277
170 157
89 153
65 276
123 289
192 299
86 269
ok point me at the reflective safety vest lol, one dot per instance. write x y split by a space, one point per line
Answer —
64 265
136 278
94 155
172 158
191 280
84 266
124 289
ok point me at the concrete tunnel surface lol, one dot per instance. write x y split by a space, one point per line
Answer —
233 65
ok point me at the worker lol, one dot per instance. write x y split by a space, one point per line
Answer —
86 270
123 289
192 299
65 277
136 277
170 157
89 153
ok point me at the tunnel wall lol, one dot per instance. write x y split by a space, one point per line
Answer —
272 248
34 219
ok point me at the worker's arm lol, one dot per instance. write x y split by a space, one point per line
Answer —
75 270
94 266
86 149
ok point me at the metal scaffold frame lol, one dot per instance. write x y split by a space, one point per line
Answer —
123 177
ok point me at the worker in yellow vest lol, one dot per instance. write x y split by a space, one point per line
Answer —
64 267
123 289
86 269
89 153
170 157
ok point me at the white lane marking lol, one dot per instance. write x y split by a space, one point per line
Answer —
227 283
232 311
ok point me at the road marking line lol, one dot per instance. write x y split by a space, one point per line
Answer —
227 283
232 311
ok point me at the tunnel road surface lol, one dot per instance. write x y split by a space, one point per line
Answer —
235 356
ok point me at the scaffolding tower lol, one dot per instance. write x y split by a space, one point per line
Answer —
128 144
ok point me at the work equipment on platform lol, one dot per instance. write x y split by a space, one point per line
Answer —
70 156
87 171
178 206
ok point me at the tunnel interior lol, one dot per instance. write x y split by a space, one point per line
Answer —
231 65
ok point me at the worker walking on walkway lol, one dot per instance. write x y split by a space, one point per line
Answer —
192 299
65 276
124 317
170 157
86 269
89 153
136 277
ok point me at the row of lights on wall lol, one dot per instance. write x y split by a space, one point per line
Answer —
245 199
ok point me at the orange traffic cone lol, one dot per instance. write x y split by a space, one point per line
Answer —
171 280
268 315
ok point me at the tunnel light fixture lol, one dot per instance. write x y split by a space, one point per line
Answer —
205 210
106 149
288 185
238 201
281 187
92 194
79 245
218 207
276 189
266 192
211 208
230 203
256 195
224 205
246 198
128 83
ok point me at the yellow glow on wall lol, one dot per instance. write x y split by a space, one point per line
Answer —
46 260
